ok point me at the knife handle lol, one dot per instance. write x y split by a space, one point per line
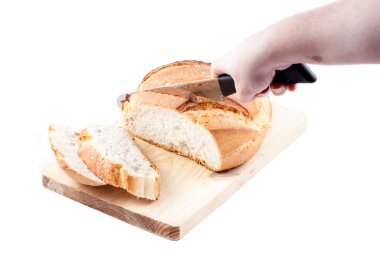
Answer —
297 73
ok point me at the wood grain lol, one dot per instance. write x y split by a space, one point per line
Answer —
189 192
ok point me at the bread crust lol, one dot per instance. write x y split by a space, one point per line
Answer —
192 74
238 128
69 170
113 173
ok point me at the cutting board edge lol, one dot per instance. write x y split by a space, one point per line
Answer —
168 231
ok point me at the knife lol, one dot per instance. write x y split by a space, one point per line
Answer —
224 85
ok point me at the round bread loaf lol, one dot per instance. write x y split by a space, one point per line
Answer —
218 135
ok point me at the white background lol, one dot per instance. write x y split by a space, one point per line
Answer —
66 61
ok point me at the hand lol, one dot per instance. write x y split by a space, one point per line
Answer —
252 68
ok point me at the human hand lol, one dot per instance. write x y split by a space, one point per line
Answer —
252 67
325 35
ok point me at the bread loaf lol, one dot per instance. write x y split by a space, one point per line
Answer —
218 135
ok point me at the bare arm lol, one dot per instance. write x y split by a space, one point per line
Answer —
343 32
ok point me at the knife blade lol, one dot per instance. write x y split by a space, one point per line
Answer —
224 85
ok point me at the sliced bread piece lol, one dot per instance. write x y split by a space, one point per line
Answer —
64 142
110 153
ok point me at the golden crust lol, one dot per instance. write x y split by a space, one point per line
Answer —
113 173
238 128
238 141
188 70
82 179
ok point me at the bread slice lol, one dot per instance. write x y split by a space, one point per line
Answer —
217 135
110 153
64 142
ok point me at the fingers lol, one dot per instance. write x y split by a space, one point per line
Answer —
280 89
277 90
291 87
264 92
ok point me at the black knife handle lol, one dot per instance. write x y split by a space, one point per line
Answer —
297 73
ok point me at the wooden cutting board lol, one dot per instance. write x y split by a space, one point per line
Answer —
189 192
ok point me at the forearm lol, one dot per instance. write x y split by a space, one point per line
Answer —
344 32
